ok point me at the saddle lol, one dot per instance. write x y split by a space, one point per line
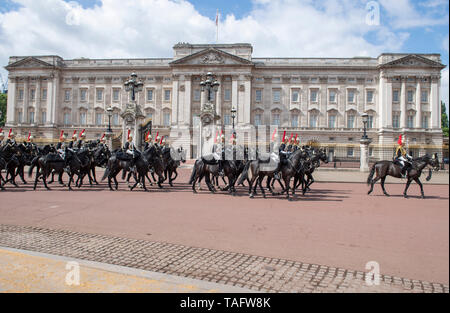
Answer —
54 157
123 156
264 158
211 161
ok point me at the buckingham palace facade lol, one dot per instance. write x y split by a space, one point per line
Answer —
320 99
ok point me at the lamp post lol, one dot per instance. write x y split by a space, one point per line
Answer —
210 84
133 85
364 146
109 111
233 116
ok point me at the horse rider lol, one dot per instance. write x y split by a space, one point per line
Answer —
131 150
219 153
283 155
402 157
73 140
80 142
296 145
2 136
102 140
157 140
30 144
61 144
148 141
290 146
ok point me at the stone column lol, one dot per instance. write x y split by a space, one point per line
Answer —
219 97
364 154
175 93
403 103
419 103
26 99
10 109
435 103
187 100
247 99
234 96
49 100
37 111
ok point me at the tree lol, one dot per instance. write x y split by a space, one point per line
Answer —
444 119
3 98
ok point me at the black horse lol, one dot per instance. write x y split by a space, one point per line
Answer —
53 162
172 158
391 168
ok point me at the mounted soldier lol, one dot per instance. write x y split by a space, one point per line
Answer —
148 141
11 141
157 140
102 140
283 155
403 158
131 150
74 139
61 144
296 145
290 146
2 136
80 142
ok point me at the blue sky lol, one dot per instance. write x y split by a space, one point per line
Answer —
294 28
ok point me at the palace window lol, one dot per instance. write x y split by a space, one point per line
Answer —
410 121
424 121
20 94
331 121
410 95
351 96
66 118
370 121
313 96
295 96
258 119
276 119
115 119
99 95
66 95
226 119
98 118
166 119
167 95
395 96
395 120
313 120
196 94
424 96
276 95
149 94
33 94
258 95
83 118
350 121
83 94
294 120
44 117
31 117
227 95
349 151
332 96
19 117
44 94
116 93
369 96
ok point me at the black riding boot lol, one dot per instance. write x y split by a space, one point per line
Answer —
221 173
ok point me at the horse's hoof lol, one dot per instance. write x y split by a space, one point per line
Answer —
251 196
386 194
423 197
290 199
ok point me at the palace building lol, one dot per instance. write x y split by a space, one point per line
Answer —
321 99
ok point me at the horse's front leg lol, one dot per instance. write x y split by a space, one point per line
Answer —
382 186
421 186
406 187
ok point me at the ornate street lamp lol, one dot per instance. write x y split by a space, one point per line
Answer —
365 118
233 116
134 86
109 111
210 84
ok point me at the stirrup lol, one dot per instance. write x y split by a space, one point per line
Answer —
276 176
221 173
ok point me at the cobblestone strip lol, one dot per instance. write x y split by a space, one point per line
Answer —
238 269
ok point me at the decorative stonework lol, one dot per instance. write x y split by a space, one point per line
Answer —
212 58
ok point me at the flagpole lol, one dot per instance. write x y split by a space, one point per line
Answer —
217 26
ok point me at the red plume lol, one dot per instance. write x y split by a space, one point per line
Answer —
290 138
1 129
215 138
74 132
160 142
146 136
273 135
29 135
296 135
156 138
128 136
284 136
9 134
399 140
61 135
103 136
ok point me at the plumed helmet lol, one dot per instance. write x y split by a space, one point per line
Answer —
10 134
83 134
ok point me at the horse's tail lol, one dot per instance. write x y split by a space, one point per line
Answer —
194 171
33 164
106 174
372 172
244 174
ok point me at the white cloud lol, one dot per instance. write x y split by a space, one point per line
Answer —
444 87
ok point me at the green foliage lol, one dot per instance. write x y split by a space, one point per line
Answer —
444 119
3 97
